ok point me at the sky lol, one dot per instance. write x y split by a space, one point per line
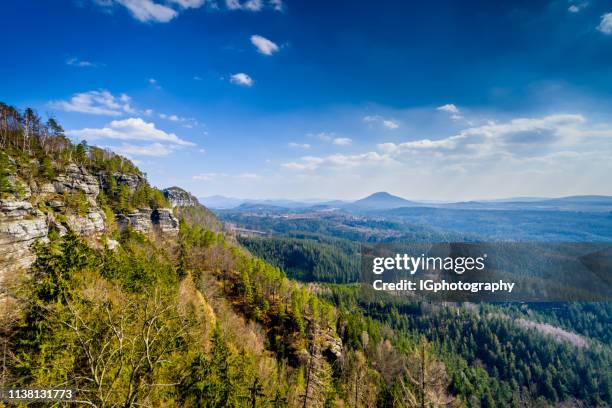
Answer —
438 100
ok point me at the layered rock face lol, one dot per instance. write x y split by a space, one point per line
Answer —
188 207
165 221
22 223
76 179
180 198
146 220
20 226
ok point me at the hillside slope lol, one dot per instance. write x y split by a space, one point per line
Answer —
108 293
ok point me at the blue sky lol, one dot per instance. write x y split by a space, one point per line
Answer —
327 99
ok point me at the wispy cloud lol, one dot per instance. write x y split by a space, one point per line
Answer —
209 176
386 123
324 136
277 5
263 45
449 107
247 176
129 129
342 141
452 109
494 137
250 5
185 4
158 11
100 102
299 145
241 79
148 10
77 62
340 161
605 26
575 8
153 149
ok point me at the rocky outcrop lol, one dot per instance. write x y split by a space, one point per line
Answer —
132 181
146 220
20 226
88 225
21 223
187 207
139 220
74 179
165 221
177 197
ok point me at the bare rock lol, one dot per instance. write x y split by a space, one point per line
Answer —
180 198
76 178
139 220
20 226
92 223
163 219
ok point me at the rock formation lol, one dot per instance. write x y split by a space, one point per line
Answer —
22 220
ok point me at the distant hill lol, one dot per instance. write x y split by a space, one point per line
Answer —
221 202
380 201
586 203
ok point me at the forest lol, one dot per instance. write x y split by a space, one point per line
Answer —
200 319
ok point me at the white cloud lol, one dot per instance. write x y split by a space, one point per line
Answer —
548 155
197 78
340 161
342 141
241 79
100 102
254 5
386 123
263 45
605 26
575 8
389 124
299 145
497 138
188 3
249 176
153 149
76 62
449 107
277 5
208 176
216 176
148 10
324 136
164 11
250 5
129 129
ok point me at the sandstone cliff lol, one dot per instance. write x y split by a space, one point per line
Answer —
188 207
70 200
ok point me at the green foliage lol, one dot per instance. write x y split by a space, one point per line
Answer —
216 381
46 168
77 202
56 262
321 260
5 170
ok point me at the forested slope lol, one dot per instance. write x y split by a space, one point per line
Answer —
174 315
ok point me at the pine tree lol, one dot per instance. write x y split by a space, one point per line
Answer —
5 170
46 168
